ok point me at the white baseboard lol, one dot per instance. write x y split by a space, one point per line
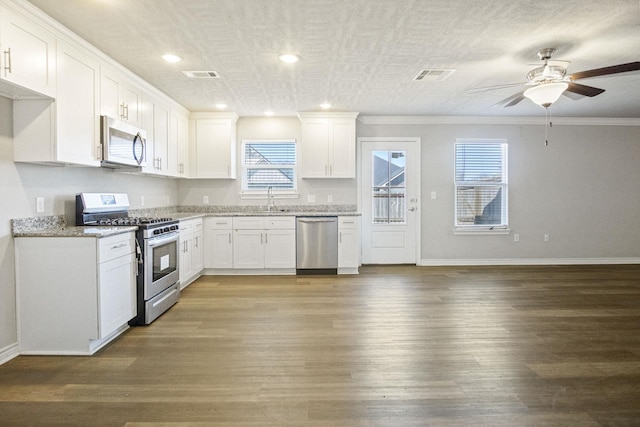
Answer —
527 261
8 353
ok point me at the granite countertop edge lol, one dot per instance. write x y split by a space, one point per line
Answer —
55 225
76 231
184 216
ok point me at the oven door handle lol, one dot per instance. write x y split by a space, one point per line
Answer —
156 241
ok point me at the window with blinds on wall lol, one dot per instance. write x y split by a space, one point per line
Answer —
481 184
269 164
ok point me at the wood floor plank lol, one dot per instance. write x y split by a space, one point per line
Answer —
393 346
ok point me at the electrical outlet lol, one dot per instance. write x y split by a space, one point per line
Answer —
39 204
205 200
141 200
516 237
434 195
311 198
546 237
329 199
168 200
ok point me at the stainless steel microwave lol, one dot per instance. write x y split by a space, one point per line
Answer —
122 144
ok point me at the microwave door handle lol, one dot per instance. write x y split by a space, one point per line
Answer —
138 137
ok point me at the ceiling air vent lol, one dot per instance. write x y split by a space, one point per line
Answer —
433 75
201 74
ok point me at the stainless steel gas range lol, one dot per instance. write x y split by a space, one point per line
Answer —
158 286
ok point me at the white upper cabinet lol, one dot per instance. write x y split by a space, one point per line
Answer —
213 145
178 144
120 99
77 113
67 130
28 56
155 121
328 145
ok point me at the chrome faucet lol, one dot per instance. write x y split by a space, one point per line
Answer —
271 202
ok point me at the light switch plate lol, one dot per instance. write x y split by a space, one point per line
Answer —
311 198
39 204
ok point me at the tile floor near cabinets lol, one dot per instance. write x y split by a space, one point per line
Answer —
393 346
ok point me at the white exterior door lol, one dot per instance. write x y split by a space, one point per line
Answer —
390 187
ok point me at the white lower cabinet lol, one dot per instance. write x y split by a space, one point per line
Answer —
74 294
264 243
348 244
218 238
191 251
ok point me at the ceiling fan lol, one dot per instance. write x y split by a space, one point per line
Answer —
549 81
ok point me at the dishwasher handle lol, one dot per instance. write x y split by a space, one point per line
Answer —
316 220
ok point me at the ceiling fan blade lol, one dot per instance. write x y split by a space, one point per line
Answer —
584 90
490 88
511 101
614 69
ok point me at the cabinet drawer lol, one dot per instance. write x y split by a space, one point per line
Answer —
185 226
248 223
219 223
115 246
282 222
346 222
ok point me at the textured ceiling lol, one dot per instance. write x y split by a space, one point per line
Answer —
362 55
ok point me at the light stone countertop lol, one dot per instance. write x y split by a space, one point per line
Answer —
183 216
73 231
55 226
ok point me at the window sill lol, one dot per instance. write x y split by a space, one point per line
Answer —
262 196
481 231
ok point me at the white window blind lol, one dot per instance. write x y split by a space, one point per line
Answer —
269 164
481 184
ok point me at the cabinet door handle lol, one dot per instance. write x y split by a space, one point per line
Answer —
125 111
266 238
229 237
340 237
330 170
121 245
7 60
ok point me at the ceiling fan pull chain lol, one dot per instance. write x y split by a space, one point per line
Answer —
547 125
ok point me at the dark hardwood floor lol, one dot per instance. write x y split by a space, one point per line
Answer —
393 346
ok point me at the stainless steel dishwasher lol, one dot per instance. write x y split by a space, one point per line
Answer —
317 245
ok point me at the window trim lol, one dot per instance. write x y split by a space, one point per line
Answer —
246 193
483 229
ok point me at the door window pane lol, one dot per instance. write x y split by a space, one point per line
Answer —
389 187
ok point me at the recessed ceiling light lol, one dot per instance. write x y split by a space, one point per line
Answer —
169 57
289 58
268 113
325 105
221 106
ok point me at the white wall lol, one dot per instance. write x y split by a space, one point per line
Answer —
582 189
227 192
20 184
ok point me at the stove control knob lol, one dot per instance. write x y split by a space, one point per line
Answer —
157 231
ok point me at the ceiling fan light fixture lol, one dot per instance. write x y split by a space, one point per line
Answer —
546 94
